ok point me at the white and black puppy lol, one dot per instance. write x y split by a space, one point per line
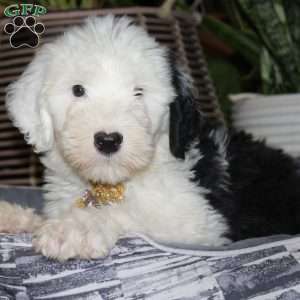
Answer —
104 104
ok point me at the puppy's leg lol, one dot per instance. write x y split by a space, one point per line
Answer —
83 233
16 219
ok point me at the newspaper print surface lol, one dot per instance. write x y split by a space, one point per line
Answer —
138 268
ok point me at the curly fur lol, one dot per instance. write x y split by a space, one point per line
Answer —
187 182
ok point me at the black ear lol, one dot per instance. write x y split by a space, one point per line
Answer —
184 117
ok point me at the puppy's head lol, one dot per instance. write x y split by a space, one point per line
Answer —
99 95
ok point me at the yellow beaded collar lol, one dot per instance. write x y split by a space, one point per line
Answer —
101 194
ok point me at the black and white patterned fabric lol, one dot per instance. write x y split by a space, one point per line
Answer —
138 268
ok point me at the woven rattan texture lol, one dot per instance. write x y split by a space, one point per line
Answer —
18 164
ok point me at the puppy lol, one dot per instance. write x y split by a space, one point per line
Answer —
114 117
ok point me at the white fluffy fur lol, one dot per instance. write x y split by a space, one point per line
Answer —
109 57
15 219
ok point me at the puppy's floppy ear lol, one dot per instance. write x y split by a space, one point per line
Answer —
26 106
184 117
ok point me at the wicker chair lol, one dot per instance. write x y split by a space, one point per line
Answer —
18 163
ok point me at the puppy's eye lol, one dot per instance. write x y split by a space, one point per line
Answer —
138 92
78 90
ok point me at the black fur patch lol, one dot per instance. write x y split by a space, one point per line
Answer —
184 118
259 190
266 189
255 187
211 170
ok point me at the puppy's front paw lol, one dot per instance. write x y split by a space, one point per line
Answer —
16 219
68 238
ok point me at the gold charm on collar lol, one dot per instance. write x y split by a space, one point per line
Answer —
106 193
101 194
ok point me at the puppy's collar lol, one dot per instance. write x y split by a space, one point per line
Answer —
101 194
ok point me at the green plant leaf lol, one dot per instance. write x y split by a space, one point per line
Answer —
270 21
244 45
220 69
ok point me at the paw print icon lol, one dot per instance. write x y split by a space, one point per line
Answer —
24 31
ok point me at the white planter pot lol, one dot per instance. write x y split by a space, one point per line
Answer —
274 118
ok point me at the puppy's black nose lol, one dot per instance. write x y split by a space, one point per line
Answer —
107 143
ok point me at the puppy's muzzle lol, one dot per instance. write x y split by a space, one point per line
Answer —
108 143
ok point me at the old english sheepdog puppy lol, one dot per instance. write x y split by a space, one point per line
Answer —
126 151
